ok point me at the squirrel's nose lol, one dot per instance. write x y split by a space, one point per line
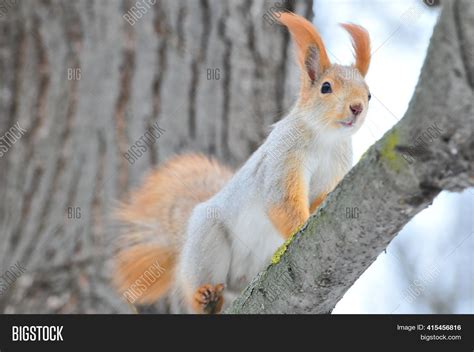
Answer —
356 109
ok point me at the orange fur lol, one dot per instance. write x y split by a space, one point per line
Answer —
156 215
293 211
144 272
168 194
305 36
361 44
317 202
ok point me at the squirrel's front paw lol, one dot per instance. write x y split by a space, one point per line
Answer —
208 299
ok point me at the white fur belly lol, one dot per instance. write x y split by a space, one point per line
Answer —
324 169
254 240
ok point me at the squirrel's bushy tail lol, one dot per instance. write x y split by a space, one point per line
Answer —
155 217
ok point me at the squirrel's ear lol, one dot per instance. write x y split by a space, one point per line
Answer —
312 56
361 44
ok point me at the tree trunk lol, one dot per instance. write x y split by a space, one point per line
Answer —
86 85
431 149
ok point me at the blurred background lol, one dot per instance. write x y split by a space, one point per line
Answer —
88 81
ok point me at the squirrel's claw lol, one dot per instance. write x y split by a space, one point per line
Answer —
208 299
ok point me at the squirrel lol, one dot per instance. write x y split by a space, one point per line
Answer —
210 230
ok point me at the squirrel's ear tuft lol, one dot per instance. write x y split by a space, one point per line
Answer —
361 44
312 56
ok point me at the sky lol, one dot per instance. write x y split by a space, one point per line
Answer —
428 267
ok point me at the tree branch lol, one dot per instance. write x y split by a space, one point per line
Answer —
431 149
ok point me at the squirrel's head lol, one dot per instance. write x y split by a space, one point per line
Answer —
335 96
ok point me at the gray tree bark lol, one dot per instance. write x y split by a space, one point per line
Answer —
85 85
431 149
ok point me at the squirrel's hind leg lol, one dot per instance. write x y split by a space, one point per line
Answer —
205 262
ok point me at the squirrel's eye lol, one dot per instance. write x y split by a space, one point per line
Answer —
326 88
370 96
